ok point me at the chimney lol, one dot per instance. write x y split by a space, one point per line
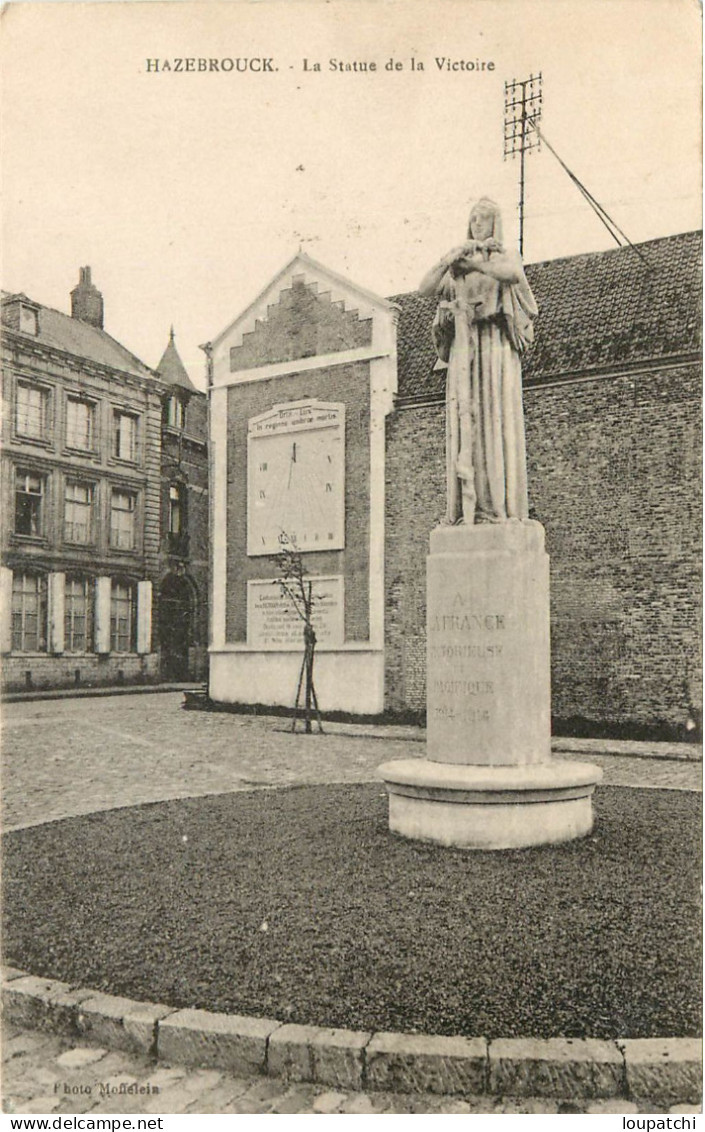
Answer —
86 300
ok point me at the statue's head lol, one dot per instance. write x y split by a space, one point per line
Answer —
485 221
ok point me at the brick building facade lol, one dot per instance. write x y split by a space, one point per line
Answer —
324 350
182 599
612 408
82 487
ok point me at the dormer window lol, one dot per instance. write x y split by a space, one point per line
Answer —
175 412
29 320
20 314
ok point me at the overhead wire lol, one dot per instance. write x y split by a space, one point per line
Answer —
602 214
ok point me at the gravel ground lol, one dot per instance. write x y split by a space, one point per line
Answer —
298 904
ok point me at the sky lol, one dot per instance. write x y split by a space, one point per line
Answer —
186 192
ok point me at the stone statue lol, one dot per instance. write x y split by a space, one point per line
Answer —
482 326
488 662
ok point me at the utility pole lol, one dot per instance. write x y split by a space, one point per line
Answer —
522 105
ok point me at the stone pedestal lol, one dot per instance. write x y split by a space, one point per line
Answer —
488 781
479 807
488 667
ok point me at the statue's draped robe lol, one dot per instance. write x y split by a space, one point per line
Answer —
481 329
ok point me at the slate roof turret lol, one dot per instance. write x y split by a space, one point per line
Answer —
172 370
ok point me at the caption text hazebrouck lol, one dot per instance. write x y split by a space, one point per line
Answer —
259 64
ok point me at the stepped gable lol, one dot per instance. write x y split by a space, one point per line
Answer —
73 336
598 311
303 323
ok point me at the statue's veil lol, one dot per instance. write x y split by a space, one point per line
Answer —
491 206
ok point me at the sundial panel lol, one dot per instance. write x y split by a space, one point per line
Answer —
296 478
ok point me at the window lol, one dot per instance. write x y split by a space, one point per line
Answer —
29 613
31 411
78 614
124 436
177 509
122 520
175 412
29 493
78 513
177 530
122 618
80 417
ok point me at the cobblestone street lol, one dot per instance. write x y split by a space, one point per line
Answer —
47 1074
73 756
67 757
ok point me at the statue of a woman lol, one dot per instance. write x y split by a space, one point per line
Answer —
482 326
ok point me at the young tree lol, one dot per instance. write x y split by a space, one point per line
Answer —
298 589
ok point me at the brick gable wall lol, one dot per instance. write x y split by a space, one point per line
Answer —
349 384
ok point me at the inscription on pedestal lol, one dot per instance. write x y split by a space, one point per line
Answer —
466 622
466 699
463 652
488 690
272 620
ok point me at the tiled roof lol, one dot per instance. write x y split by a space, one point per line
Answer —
596 311
62 332
171 369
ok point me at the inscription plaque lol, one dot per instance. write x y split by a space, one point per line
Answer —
272 620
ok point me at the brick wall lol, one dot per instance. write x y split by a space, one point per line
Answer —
614 476
415 502
301 324
349 384
185 460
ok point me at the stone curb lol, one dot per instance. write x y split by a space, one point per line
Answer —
90 692
662 1071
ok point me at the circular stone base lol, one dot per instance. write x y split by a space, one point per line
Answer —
481 807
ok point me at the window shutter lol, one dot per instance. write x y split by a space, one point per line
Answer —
144 617
55 591
102 614
5 609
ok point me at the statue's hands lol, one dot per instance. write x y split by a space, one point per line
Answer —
455 254
464 258
477 257
492 245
